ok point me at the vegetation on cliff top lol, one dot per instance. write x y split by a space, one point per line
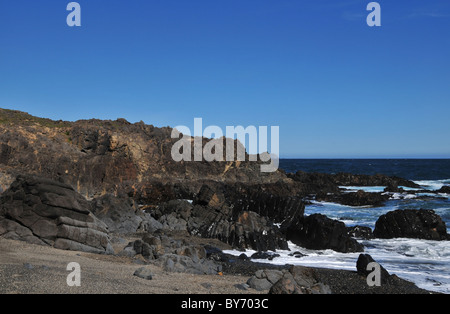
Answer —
16 117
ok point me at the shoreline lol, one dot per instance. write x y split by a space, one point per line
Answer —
35 269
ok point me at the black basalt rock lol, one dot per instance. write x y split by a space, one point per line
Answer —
411 223
318 232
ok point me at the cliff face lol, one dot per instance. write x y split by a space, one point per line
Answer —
98 157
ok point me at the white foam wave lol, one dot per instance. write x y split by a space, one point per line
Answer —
372 189
424 262
432 184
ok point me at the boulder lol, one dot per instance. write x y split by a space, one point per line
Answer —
299 280
444 189
144 273
47 212
286 285
186 264
139 247
392 187
361 267
361 232
264 279
411 223
319 232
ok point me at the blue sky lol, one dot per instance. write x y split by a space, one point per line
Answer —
336 87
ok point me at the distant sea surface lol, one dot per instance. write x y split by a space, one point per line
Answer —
424 262
411 169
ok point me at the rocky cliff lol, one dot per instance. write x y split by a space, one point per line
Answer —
127 177
98 157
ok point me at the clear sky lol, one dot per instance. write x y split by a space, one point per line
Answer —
335 86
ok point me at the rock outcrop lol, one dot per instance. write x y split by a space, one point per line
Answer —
248 230
411 223
97 157
122 216
319 232
172 255
359 198
47 212
295 280
444 189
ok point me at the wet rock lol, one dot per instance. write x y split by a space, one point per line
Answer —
362 268
411 223
444 189
247 231
359 198
319 232
264 255
313 183
348 179
297 254
361 232
392 187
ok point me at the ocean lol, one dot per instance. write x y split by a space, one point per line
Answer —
424 262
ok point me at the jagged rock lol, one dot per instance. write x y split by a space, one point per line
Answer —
393 188
248 231
295 280
444 189
275 201
411 223
313 183
348 179
207 196
264 279
319 232
359 198
103 156
243 229
361 267
122 216
47 212
286 285
140 247
360 232
173 215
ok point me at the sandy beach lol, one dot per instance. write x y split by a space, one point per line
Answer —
34 269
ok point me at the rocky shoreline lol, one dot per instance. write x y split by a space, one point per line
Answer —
110 188
50 213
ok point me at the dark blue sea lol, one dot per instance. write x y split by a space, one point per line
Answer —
411 169
424 262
